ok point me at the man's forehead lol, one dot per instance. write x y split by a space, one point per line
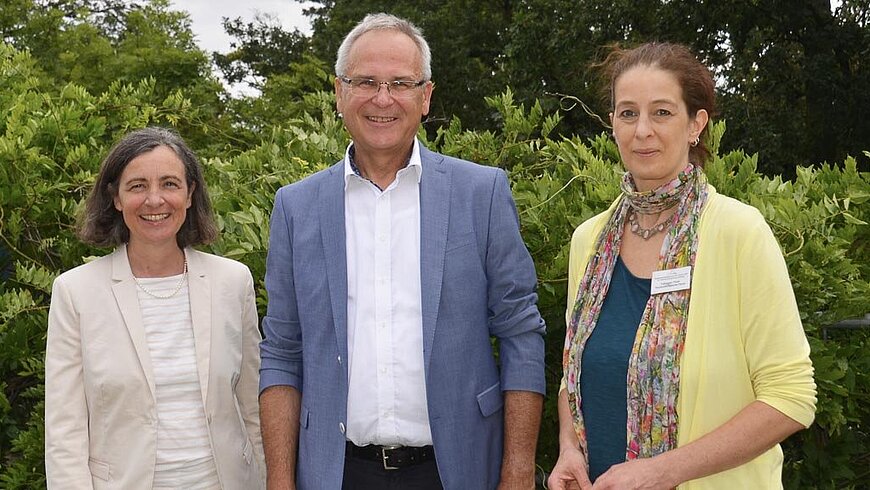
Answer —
384 46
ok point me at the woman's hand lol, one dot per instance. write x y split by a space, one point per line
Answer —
570 472
637 474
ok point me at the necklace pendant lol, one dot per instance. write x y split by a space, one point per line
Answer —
645 233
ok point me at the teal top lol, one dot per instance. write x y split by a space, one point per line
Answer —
604 369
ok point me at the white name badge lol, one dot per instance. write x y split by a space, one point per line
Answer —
671 280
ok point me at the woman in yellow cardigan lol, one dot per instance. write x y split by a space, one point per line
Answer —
685 361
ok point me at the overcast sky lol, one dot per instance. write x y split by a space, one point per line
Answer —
207 17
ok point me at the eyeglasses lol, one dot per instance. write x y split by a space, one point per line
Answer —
367 87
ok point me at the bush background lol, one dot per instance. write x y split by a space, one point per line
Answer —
54 133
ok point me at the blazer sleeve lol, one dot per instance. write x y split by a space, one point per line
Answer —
246 390
281 350
514 317
66 409
774 340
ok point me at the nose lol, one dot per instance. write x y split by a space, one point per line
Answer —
154 197
643 127
383 97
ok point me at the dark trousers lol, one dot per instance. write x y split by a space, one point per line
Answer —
363 474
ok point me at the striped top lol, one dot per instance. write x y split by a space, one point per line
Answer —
184 454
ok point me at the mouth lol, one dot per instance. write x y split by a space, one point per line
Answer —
154 217
381 119
646 152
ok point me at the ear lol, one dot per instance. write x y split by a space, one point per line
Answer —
427 96
190 194
698 124
339 90
117 200
610 115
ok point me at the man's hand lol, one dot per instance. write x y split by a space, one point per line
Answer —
570 472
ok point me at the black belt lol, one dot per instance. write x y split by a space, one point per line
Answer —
392 457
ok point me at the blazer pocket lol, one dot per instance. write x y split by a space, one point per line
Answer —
490 400
460 241
303 417
99 469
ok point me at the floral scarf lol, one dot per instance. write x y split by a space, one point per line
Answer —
654 365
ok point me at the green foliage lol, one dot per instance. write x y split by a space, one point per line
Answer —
261 49
52 139
283 98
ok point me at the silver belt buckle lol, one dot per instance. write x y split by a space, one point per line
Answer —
384 450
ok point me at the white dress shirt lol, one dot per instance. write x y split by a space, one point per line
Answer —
386 401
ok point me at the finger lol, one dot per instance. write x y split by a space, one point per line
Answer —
555 483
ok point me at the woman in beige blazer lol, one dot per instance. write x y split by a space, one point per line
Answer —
152 354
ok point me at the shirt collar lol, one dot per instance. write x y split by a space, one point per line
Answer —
414 164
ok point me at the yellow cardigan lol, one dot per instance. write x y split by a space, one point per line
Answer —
744 339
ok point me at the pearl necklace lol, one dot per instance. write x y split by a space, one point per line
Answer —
165 296
645 233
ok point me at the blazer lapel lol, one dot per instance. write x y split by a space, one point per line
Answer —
434 216
332 234
124 289
200 313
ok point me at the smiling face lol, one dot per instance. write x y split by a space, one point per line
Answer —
383 126
652 126
153 197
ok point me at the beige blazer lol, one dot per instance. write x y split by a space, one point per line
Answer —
100 412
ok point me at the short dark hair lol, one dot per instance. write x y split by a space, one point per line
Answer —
694 78
101 224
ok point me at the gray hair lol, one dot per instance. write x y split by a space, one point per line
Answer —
382 21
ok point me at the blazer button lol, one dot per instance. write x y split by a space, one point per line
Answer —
341 427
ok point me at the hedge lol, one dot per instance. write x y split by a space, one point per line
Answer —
51 145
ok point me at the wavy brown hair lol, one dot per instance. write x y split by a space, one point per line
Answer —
101 224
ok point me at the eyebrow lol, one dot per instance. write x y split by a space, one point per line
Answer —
163 178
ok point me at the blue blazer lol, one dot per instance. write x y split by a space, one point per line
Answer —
478 282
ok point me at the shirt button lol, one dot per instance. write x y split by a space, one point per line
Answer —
341 427
339 359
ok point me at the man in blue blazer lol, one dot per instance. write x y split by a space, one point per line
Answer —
388 275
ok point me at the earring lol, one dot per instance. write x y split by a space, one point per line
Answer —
697 140
340 115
